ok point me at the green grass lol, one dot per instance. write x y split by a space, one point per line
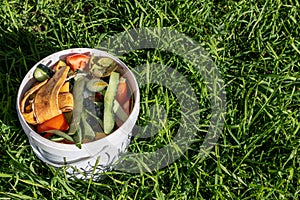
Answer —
256 47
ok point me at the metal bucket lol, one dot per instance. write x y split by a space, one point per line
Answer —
94 157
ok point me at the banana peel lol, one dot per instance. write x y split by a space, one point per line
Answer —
65 101
46 104
29 116
65 87
51 97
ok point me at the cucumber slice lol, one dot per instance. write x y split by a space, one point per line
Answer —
42 73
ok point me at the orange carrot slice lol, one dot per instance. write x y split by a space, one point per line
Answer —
58 122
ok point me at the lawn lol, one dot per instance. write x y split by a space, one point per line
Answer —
255 48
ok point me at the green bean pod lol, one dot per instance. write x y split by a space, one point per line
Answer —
88 133
61 134
78 136
119 111
78 89
109 97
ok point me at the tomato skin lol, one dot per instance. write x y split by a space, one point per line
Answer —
56 123
77 61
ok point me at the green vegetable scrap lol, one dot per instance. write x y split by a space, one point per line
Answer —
96 85
42 72
61 134
110 95
103 67
119 111
78 89
88 133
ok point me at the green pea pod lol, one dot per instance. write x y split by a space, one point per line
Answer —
109 97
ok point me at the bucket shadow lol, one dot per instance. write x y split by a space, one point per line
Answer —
19 51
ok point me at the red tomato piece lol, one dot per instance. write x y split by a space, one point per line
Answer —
77 61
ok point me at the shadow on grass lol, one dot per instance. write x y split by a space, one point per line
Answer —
19 51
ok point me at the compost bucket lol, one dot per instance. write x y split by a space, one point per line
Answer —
94 157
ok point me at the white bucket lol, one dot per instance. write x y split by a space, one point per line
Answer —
94 157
